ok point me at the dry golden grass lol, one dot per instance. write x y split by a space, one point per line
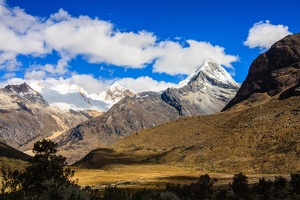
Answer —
149 176
135 175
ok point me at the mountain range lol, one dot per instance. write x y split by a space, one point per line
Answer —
48 110
122 111
257 132
206 91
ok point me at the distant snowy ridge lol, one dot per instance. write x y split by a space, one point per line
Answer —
67 96
113 94
71 96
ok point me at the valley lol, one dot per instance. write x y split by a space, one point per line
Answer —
208 125
152 176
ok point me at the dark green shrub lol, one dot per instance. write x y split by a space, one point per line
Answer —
145 194
168 196
295 183
240 186
280 183
221 194
115 193
263 186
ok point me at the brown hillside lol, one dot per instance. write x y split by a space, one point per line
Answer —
263 139
9 152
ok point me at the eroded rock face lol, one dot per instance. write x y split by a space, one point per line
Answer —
272 72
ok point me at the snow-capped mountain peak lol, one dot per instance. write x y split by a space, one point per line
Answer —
116 86
37 86
211 72
115 93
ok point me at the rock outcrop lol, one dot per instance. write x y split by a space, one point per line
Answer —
273 71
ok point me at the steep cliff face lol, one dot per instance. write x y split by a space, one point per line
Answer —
273 71
26 117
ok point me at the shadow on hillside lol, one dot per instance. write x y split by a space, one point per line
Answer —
102 157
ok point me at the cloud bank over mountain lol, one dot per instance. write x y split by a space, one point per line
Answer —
102 44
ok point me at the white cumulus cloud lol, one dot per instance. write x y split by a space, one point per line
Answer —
145 83
8 75
92 85
97 41
265 34
176 59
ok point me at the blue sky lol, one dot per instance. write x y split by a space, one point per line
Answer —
144 45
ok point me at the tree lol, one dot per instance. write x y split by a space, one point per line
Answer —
240 186
203 187
280 183
47 173
295 183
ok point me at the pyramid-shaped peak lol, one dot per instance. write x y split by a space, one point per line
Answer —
210 71
116 85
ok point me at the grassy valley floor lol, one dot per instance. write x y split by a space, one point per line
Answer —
152 176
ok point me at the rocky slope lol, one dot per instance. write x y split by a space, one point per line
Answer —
129 115
205 91
258 134
271 72
261 139
26 117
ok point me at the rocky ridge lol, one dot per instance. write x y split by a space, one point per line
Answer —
271 72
